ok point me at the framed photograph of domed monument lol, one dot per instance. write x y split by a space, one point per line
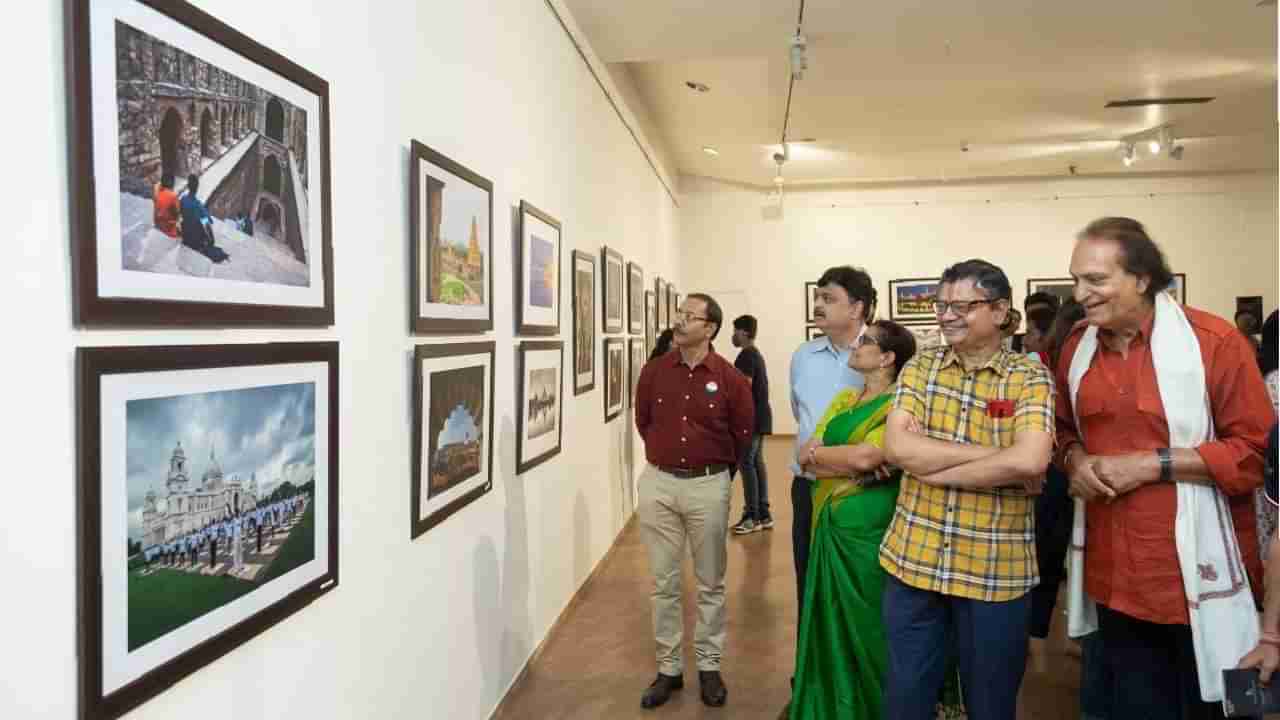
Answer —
541 379
199 173
452 430
451 226
208 491
538 273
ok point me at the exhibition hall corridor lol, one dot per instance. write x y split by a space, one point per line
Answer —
598 660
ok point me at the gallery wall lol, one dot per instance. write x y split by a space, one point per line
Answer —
1219 230
436 627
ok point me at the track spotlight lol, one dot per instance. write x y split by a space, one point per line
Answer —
1129 155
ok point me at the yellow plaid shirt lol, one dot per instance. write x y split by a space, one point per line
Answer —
977 544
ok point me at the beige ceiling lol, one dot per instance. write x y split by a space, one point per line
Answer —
894 89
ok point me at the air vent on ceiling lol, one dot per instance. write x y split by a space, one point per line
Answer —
1144 102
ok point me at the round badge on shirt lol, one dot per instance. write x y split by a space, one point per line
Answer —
712 387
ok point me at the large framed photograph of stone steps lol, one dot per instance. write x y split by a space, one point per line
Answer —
199 173
207 506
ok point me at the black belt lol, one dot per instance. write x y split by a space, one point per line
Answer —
693 472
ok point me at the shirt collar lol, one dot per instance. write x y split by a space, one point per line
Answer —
677 359
1144 331
826 343
999 363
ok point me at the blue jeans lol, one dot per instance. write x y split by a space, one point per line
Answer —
990 641
755 482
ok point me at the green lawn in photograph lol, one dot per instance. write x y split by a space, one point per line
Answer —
168 599
298 550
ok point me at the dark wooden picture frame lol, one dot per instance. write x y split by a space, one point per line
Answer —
523 466
524 324
635 363
635 299
1178 290
89 306
812 332
810 292
620 401
1060 287
422 353
650 322
613 291
897 315
660 301
432 324
92 364
584 325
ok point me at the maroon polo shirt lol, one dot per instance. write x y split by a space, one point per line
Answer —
691 417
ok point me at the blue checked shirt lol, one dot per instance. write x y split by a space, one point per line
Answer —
818 373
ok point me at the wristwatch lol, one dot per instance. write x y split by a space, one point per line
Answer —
1166 464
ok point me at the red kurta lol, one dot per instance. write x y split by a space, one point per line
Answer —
1131 560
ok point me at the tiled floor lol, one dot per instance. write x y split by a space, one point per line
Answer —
600 658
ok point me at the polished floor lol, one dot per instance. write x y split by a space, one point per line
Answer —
600 658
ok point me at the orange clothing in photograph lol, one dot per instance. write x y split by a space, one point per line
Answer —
166 211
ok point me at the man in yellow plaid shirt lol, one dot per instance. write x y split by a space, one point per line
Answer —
972 429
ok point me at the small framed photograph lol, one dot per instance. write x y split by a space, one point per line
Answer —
1060 287
911 300
615 370
541 381
813 332
650 322
200 180
452 430
810 301
669 297
218 465
451 223
636 346
635 299
584 322
1178 290
614 287
538 281
660 303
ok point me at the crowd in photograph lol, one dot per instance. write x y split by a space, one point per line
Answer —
228 535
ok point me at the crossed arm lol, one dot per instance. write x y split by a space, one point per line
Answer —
950 464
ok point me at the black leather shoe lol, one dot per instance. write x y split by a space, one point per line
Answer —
660 690
714 692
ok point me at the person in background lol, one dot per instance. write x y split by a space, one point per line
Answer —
1266 656
1036 342
197 226
755 479
1010 329
1042 299
1267 362
662 345
166 213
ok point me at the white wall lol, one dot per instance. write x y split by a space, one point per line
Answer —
1219 230
434 628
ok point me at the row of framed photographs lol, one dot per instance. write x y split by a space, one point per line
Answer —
911 299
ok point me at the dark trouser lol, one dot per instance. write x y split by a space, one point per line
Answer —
755 481
990 641
1095 679
1053 534
801 524
1155 668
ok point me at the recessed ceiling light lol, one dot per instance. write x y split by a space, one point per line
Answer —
710 151
697 86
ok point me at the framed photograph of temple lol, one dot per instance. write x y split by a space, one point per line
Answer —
1060 287
650 322
638 355
452 430
615 370
199 173
217 466
911 300
584 322
614 287
451 226
540 430
538 273
635 299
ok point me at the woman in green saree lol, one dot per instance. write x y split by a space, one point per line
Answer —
841 655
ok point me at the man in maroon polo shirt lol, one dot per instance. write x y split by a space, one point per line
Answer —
695 413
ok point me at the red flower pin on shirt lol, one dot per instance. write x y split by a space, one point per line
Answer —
1000 408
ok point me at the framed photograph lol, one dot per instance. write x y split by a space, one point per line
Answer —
1178 290
538 281
638 356
668 302
451 225
635 299
911 300
218 465
200 176
584 322
541 412
452 430
813 332
1060 287
810 301
660 304
650 322
611 268
615 369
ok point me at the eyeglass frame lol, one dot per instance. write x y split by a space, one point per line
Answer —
684 316
867 339
940 307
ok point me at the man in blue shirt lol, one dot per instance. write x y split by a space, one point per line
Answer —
845 300
197 229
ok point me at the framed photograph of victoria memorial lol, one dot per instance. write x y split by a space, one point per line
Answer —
538 281
635 299
615 370
584 322
199 173
451 226
541 413
911 300
452 430
218 467
612 269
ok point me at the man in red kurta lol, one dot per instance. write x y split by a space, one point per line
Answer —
1114 443
695 413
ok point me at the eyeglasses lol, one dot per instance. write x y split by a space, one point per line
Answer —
866 339
961 307
683 316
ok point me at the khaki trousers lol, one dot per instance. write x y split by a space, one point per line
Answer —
671 510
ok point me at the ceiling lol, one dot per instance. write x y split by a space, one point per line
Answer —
895 90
